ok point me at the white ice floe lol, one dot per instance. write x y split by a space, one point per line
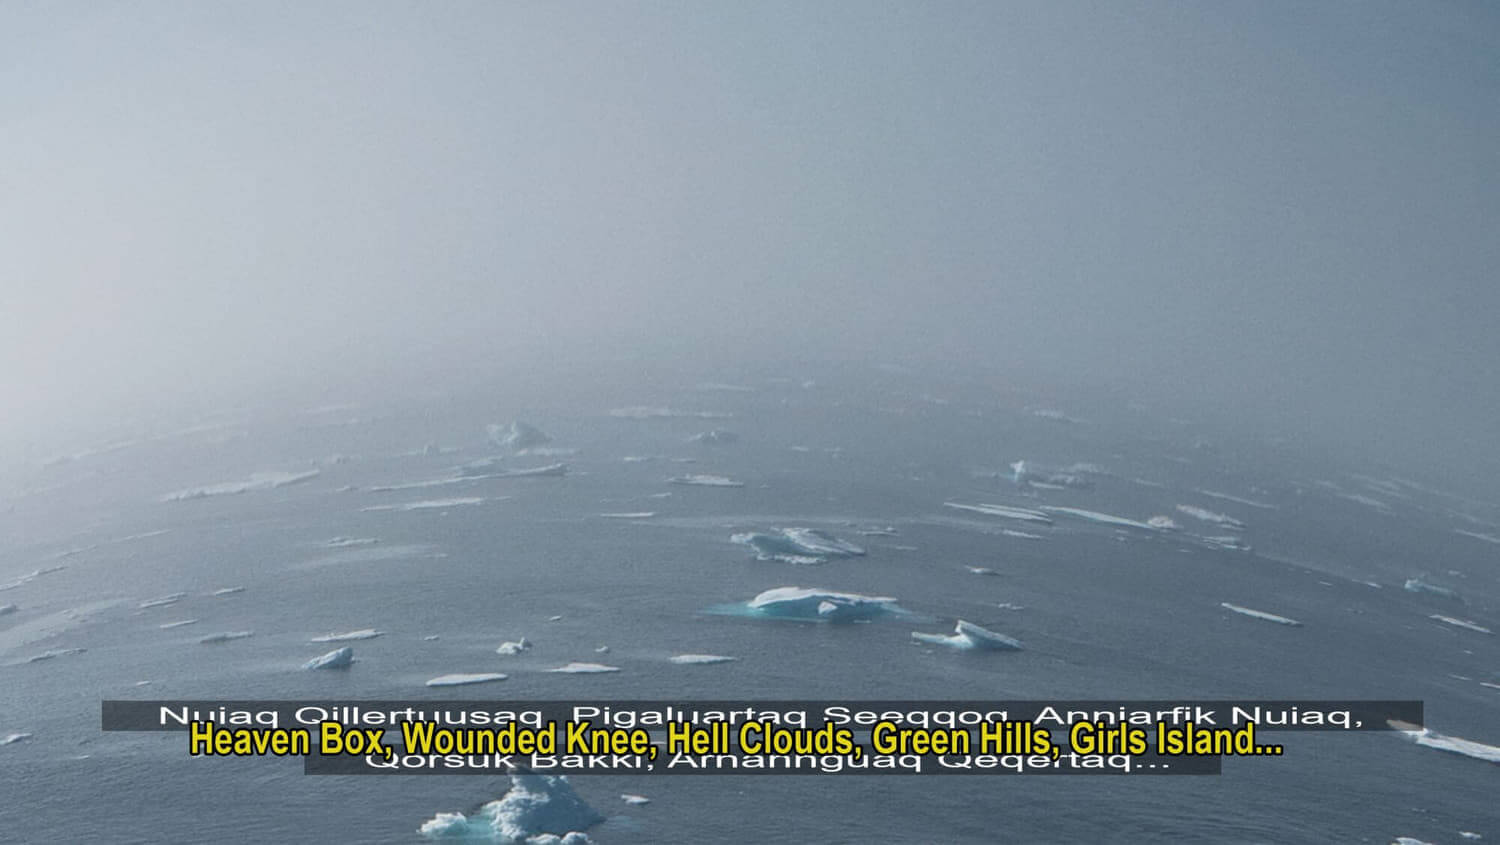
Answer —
797 545
536 809
461 679
429 504
347 542
167 626
1023 514
631 515
1102 518
823 605
1163 523
1228 542
1442 742
515 647
577 668
699 659
705 481
227 591
517 436
1488 538
11 739
491 468
1027 475
1417 585
1206 515
981 570
339 658
49 655
1259 614
163 601
1461 623
635 799
1237 499
642 412
258 481
30 576
715 437
968 636
226 636
348 636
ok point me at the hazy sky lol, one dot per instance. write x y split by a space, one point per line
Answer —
1292 205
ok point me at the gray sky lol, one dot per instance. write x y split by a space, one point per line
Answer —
1292 206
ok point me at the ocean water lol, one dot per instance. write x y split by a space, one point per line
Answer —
1104 612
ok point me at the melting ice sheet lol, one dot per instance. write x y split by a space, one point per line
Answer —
798 545
584 669
536 809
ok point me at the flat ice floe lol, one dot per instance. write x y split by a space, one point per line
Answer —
49 655
1023 514
429 504
715 437
348 636
30 576
491 468
163 601
1104 518
577 668
1237 499
699 659
643 412
227 591
631 515
1451 744
821 605
1206 515
1417 585
635 799
1461 623
167 626
339 658
258 481
461 679
1027 475
350 542
968 636
1260 614
226 636
797 545
705 481
536 809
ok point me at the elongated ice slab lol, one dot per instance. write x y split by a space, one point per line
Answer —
1461 623
226 636
461 679
1023 514
699 659
643 412
1488 538
162 601
1237 499
577 668
1102 518
167 626
1417 585
348 542
227 591
258 481
536 809
1259 614
631 515
968 636
715 437
348 636
49 655
798 545
821 605
429 504
1429 738
635 799
339 658
1206 515
490 468
705 481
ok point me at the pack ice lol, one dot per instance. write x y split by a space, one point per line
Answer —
797 545
821 605
535 809
968 636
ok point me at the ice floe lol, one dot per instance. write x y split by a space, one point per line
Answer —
643 412
339 658
350 542
167 626
492 468
227 591
1102 518
536 809
1442 742
12 739
462 679
517 436
1488 538
1026 475
162 601
577 668
1206 515
1023 514
429 504
981 570
30 576
1237 499
968 636
635 799
797 545
630 515
514 647
226 636
699 659
258 481
1461 623
55 653
821 605
348 636
705 481
715 437
1259 614
1418 585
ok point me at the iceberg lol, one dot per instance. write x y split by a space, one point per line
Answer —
715 437
1461 623
798 545
1260 614
517 436
705 481
968 636
821 605
1228 522
1451 744
348 636
513 647
699 659
576 668
460 679
1023 514
226 636
535 809
635 799
258 481
339 658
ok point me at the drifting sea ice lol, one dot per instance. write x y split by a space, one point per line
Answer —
11 739
258 481
461 679
167 626
968 636
1429 738
798 545
577 668
429 504
348 636
632 515
1260 614
535 806
1023 514
821 605
515 647
705 481
1417 585
715 437
1206 515
699 659
517 436
162 601
1461 623
1102 518
339 658
226 636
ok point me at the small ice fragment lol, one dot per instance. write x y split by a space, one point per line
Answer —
981 570
715 437
348 636
339 658
227 591
431 637
537 810
554 618
49 655
1260 614
1461 623
226 636
163 601
699 659
1007 605
167 626
705 481
1206 515
968 636
515 647
1417 585
11 739
635 799
461 679
577 668
632 515
604 649
346 542
1469 834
